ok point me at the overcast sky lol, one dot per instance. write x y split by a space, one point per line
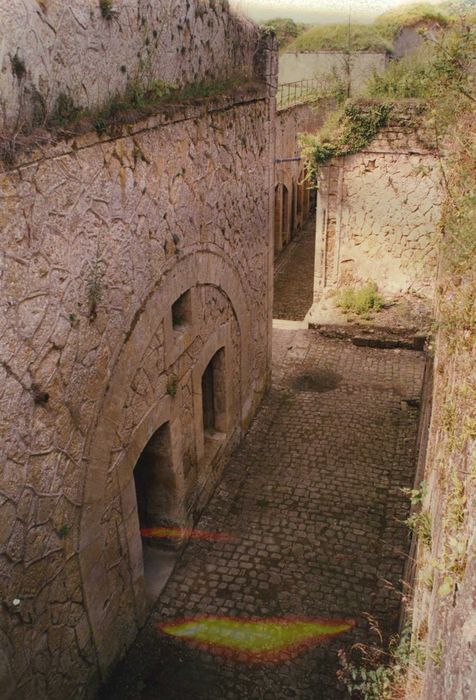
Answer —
315 10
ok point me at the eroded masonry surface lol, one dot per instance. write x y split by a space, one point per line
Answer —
313 497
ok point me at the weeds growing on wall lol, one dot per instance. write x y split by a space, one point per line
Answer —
439 76
140 101
420 523
447 84
107 8
334 86
406 78
65 112
172 385
382 674
347 130
360 300
439 73
137 102
459 216
136 97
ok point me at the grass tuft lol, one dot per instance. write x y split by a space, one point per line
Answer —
107 8
360 300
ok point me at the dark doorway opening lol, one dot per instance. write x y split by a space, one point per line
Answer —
277 220
285 215
158 508
213 395
214 405
182 312
294 209
208 398
155 481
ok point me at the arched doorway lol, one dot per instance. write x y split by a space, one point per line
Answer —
278 243
159 507
155 482
213 394
294 209
285 214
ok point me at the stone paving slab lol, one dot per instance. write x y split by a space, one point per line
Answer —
313 496
294 276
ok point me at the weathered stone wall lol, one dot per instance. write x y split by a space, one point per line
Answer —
444 601
322 64
49 47
99 238
377 216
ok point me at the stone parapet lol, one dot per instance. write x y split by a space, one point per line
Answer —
90 51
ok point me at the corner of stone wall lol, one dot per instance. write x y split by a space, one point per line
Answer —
266 60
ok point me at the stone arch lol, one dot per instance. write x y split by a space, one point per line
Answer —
278 234
282 215
294 190
114 628
157 482
219 340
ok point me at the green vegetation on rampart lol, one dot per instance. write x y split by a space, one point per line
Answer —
435 85
378 36
390 22
336 37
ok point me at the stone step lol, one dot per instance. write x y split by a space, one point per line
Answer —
382 337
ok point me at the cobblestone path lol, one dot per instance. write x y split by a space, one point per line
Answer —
313 497
294 276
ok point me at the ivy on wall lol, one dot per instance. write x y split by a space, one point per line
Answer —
347 131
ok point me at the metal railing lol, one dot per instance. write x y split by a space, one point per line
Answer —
289 94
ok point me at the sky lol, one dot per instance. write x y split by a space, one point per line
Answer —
316 10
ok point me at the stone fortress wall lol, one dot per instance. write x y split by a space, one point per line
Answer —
443 591
133 267
377 216
52 47
320 65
